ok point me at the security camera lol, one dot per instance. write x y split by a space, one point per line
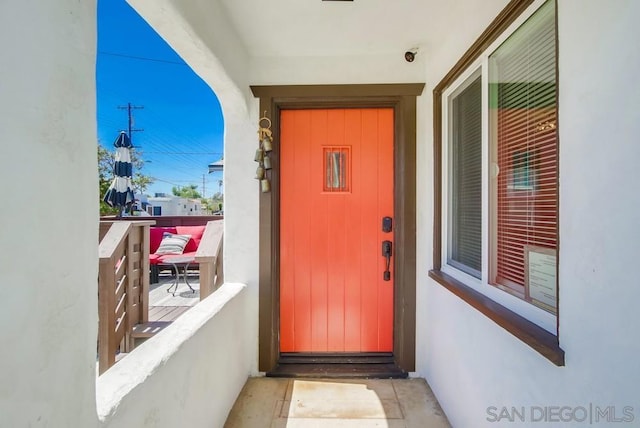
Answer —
410 55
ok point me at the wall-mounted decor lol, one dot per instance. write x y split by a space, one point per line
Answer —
265 146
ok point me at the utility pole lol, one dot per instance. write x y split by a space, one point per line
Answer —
129 107
204 189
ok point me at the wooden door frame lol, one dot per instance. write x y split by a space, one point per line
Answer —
402 99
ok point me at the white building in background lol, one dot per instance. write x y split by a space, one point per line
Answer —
173 205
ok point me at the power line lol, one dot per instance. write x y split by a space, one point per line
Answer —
161 148
142 58
173 183
182 153
185 156
157 145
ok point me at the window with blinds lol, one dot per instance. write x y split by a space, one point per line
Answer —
499 206
465 192
524 152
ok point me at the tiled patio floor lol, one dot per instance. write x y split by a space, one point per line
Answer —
310 403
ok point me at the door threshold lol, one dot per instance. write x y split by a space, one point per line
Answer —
339 366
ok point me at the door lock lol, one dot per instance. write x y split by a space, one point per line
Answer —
387 224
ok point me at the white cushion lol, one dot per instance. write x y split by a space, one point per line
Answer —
173 244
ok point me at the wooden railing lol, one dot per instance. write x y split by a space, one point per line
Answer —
209 258
123 280
123 286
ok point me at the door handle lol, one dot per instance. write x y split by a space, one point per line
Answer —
386 252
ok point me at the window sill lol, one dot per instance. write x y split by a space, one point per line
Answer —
534 336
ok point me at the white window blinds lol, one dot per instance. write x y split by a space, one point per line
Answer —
522 98
465 220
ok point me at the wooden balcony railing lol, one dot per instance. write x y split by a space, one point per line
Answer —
209 258
123 280
123 286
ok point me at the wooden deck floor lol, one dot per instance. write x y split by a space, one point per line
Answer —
164 306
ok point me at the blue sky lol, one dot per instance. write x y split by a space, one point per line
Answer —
181 118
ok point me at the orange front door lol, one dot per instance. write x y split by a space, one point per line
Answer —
336 187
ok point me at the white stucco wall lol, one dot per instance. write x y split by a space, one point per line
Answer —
48 250
315 70
48 311
188 375
469 361
202 34
48 223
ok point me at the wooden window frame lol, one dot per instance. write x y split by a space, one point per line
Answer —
536 337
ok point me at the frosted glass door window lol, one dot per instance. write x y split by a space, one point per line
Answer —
336 160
